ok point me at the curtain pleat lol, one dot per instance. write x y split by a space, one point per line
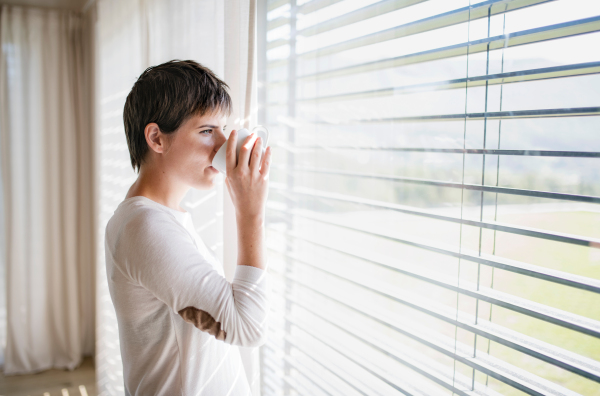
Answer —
47 170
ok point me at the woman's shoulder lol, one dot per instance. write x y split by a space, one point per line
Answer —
139 215
138 229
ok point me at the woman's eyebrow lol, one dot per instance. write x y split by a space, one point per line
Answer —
210 126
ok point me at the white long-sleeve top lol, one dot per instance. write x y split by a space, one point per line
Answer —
180 321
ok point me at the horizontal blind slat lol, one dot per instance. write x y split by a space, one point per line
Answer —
437 183
561 30
577 364
361 14
369 367
315 5
309 373
450 18
328 366
531 270
478 116
529 308
539 311
491 225
503 372
272 5
545 73
311 377
524 153
290 214
302 386
370 11
517 304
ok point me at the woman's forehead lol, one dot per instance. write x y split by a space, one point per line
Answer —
216 118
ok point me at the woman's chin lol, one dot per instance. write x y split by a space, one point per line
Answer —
206 183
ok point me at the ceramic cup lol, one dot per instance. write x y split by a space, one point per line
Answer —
219 161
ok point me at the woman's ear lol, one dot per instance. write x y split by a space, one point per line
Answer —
155 139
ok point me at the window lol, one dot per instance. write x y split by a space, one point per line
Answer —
433 219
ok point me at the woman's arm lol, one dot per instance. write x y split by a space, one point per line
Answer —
251 241
155 251
247 182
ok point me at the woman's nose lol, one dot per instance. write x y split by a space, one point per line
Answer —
220 139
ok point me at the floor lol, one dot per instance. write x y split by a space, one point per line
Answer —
79 382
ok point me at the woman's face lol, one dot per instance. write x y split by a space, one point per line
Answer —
189 155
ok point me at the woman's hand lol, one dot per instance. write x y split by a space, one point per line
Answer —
248 187
247 184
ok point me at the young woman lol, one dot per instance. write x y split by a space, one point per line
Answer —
178 316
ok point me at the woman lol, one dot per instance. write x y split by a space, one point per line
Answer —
178 316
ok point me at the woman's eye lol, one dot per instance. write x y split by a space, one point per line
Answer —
206 130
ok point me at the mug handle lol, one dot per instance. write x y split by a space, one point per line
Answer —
263 133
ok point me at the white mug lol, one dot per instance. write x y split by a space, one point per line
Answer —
219 161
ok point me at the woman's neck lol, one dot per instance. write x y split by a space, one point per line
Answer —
159 187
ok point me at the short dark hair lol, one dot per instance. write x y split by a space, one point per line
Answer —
168 94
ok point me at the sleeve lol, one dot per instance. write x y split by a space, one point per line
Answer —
165 261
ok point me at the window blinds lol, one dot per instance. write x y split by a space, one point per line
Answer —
433 218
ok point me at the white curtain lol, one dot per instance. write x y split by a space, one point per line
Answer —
130 36
47 181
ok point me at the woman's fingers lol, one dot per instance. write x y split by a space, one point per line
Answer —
246 150
230 160
266 163
255 158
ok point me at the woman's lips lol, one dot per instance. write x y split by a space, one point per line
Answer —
212 168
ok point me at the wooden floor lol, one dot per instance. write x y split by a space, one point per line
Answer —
79 382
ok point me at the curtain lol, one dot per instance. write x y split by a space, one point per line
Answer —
47 178
131 36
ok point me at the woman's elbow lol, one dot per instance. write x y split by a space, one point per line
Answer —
251 335
256 341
